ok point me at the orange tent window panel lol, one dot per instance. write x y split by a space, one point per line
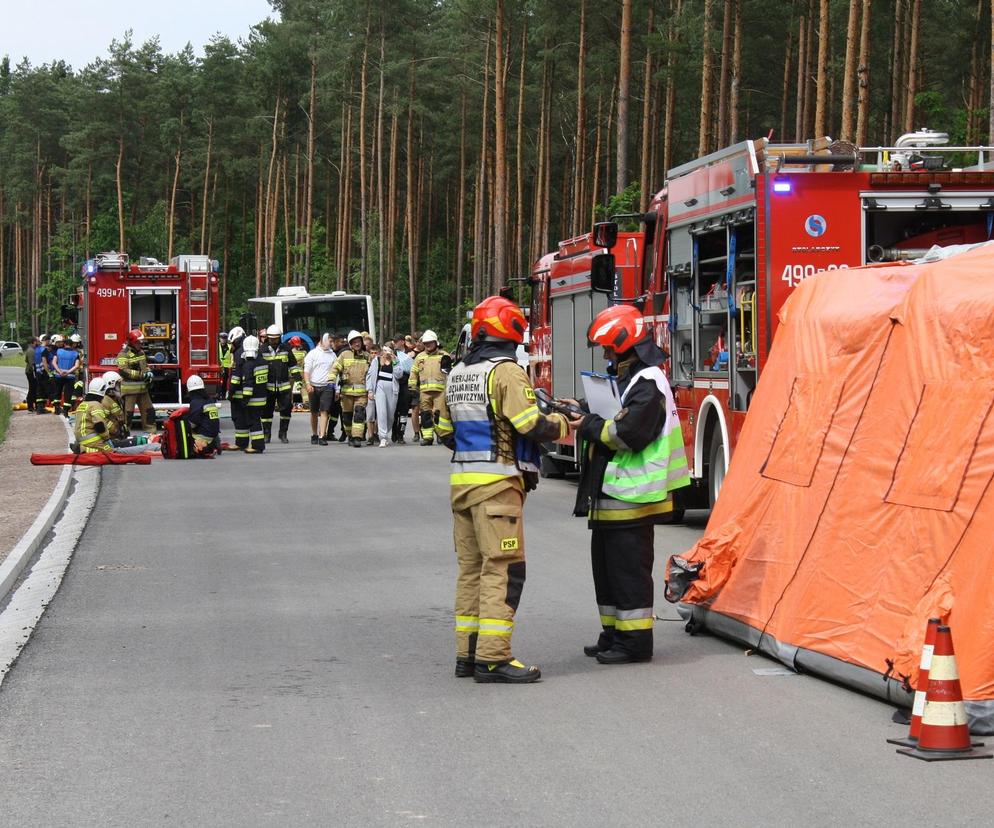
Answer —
940 444
800 438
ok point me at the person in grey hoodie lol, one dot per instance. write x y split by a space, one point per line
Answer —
383 382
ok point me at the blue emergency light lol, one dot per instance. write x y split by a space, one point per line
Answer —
91 266
781 186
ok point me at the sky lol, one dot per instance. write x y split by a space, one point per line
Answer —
77 32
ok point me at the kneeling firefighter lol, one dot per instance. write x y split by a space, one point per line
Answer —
349 372
634 461
90 429
203 418
489 418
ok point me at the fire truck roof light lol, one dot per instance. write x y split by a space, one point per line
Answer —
781 186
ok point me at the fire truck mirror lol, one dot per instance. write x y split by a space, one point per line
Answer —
70 314
605 234
602 272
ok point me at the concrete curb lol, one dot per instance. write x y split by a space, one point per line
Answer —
27 546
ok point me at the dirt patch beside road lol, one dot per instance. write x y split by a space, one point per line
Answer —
25 489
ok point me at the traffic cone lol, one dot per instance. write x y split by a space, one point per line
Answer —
919 704
944 733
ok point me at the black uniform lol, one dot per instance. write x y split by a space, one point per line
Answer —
254 376
283 372
239 417
203 419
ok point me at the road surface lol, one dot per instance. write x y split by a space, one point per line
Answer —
268 641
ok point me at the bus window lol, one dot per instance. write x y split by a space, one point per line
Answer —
320 316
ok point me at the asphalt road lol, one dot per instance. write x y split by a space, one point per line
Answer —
267 641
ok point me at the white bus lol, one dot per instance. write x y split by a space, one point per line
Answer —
295 310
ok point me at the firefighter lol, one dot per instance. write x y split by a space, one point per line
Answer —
427 385
239 417
338 344
634 461
255 391
90 429
132 364
283 373
349 371
203 418
299 351
224 360
489 417
116 421
79 387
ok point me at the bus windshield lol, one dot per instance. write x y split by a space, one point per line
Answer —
318 316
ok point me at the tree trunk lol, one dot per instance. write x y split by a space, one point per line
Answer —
461 210
644 183
171 221
392 217
898 75
500 158
624 81
120 193
810 70
380 220
863 74
409 213
704 127
733 99
581 116
479 244
990 125
309 205
802 57
909 105
595 187
821 102
849 79
669 115
785 90
724 73
269 231
519 230
363 203
207 176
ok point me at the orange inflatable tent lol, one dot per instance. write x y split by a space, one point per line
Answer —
859 503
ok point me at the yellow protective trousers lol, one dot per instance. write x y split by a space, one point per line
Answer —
490 548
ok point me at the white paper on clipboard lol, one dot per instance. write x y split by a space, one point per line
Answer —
601 392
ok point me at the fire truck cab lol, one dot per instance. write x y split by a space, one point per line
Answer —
739 229
174 305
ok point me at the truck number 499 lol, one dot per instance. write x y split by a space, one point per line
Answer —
108 293
793 275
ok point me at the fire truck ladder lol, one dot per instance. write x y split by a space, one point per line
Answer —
197 326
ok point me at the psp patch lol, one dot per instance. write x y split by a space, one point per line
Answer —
508 544
530 394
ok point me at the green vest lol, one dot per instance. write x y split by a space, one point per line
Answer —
649 475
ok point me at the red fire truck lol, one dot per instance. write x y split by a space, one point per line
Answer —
174 305
738 230
562 308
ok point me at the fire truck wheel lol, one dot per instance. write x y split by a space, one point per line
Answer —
716 467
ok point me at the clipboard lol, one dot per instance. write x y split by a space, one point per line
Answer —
601 393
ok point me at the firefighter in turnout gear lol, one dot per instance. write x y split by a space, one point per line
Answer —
489 417
634 461
299 351
203 418
283 373
224 360
254 386
427 384
239 415
111 402
91 430
132 365
349 371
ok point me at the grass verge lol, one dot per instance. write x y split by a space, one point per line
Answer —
4 413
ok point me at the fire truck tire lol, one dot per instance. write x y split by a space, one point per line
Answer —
716 467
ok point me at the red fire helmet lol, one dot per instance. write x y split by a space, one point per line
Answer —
619 327
135 337
500 318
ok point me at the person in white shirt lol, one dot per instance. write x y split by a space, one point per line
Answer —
320 393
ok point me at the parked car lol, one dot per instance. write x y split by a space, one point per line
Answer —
10 349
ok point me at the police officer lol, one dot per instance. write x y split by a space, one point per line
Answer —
239 416
634 460
254 376
203 418
283 373
349 371
489 416
427 384
132 364
90 428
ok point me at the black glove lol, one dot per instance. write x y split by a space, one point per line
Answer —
530 480
446 362
590 428
415 397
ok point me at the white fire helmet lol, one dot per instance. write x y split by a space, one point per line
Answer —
98 385
112 378
429 336
273 330
353 335
250 346
195 383
75 339
235 332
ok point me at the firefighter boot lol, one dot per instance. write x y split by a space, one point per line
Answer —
506 672
284 425
267 430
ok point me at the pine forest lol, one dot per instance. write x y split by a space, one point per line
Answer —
428 151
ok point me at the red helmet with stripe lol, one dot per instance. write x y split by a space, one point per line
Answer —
499 318
135 337
618 327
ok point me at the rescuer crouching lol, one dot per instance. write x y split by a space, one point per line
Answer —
203 418
489 418
90 429
634 461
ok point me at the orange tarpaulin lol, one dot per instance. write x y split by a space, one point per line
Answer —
859 502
